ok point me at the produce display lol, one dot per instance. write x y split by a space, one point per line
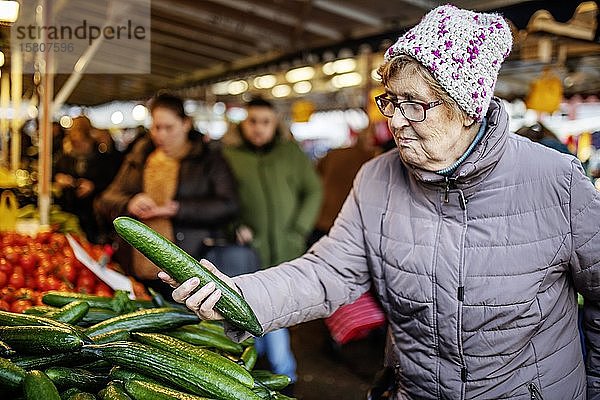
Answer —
137 349
30 266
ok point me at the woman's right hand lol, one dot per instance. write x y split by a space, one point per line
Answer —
141 206
202 302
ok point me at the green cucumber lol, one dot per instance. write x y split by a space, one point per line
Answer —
13 319
112 336
271 380
181 267
59 299
30 362
5 350
168 367
143 390
40 339
249 357
114 391
81 396
153 319
11 375
96 315
200 337
68 393
37 386
40 310
76 377
71 313
196 355
122 374
119 303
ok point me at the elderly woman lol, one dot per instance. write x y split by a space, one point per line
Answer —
475 240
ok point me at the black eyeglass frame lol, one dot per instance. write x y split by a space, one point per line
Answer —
398 105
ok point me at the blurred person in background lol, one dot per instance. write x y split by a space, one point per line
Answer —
337 170
280 196
81 172
175 183
542 135
475 240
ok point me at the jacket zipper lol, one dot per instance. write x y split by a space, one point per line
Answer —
534 392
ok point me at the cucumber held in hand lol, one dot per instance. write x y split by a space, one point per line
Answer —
181 267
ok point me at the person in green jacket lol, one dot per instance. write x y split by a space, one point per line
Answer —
280 195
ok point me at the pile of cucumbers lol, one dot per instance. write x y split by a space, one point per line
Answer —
80 347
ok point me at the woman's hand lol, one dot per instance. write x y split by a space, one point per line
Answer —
203 301
244 235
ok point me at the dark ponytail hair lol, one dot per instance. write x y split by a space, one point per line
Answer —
170 102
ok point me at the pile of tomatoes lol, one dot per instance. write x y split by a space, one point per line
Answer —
30 266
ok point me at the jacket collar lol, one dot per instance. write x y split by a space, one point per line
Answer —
484 156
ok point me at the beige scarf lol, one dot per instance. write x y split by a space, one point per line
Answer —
160 183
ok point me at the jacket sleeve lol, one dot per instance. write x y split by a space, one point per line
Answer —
313 286
585 261
311 194
219 207
112 202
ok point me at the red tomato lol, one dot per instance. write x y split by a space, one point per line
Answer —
17 280
43 237
24 294
11 255
3 279
52 283
87 283
102 289
87 273
5 266
28 262
8 239
20 305
4 305
65 287
40 282
7 294
67 272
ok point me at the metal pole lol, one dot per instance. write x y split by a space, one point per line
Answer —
47 89
16 78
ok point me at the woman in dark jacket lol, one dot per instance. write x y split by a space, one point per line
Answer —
173 182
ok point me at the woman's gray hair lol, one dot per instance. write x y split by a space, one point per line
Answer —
407 65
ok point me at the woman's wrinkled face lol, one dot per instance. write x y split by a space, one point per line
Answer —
433 144
169 131
260 125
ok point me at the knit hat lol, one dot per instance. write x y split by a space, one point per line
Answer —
463 51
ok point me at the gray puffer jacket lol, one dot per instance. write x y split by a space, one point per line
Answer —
477 274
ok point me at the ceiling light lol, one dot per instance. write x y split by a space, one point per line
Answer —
9 12
116 117
139 112
219 108
300 74
302 87
65 121
339 66
265 81
221 88
346 80
344 65
281 91
237 87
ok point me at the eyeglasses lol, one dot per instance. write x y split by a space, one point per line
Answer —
412 110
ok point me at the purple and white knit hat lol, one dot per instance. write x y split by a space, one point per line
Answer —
463 51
